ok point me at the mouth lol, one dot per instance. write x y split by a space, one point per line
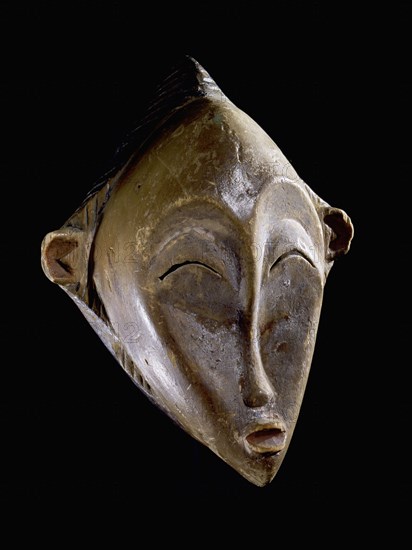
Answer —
267 439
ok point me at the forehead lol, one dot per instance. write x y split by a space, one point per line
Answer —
211 161
210 149
283 214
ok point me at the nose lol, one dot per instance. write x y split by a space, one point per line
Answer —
256 389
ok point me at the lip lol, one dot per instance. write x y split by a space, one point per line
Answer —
266 438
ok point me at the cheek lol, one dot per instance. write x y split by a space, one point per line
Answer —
199 314
210 350
289 316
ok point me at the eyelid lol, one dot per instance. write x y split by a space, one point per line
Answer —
293 252
175 267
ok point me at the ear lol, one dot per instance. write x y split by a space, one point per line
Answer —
63 256
339 232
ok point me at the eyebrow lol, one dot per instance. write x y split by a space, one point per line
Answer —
170 241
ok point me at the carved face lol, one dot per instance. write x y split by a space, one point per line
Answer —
210 260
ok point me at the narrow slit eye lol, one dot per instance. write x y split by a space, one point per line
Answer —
178 266
293 252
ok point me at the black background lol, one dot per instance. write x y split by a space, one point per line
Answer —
327 83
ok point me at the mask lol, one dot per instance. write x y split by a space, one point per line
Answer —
200 261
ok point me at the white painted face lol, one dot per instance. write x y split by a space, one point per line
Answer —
222 280
201 265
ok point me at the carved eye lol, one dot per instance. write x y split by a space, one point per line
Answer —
175 267
292 253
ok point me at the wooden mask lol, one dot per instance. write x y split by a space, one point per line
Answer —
200 261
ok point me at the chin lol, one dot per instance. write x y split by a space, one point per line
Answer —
257 469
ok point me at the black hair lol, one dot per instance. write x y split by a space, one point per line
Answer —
186 82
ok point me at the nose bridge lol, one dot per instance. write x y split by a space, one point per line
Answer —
255 387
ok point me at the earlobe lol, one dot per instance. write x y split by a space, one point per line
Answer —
62 255
339 232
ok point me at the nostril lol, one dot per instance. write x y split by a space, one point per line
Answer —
254 398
